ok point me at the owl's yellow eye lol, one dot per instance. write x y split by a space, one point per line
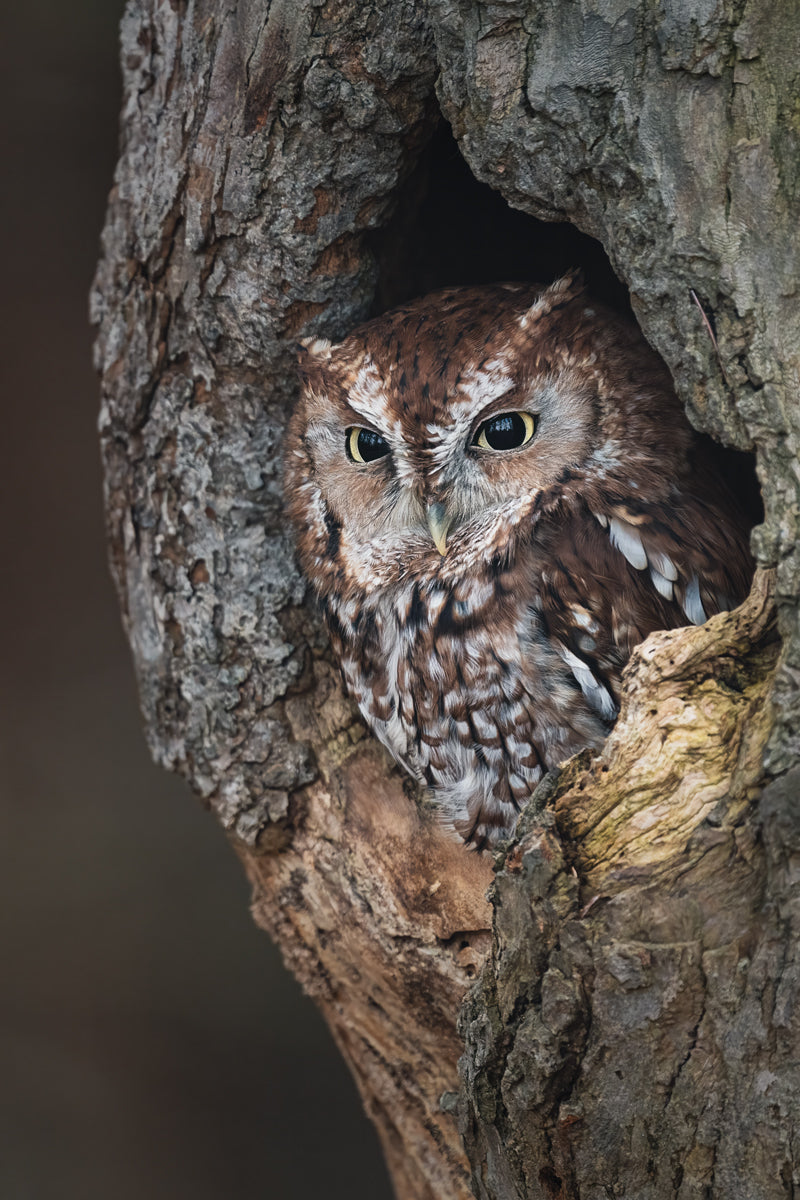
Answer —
365 445
506 431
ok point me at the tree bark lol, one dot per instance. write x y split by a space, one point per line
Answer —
633 1031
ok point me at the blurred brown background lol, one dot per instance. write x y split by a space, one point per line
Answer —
150 1042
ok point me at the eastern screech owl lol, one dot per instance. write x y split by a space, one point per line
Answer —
497 496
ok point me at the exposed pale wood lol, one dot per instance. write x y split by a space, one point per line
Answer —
686 753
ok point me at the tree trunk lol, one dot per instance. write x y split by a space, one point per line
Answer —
633 1031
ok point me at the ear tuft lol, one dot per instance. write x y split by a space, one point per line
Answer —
560 293
571 284
317 347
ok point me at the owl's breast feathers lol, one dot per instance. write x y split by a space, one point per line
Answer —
466 691
478 685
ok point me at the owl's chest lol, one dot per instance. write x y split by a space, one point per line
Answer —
416 656
442 648
434 670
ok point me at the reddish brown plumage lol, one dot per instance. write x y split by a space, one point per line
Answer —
482 667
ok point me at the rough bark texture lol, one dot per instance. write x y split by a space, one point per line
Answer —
634 1030
633 1033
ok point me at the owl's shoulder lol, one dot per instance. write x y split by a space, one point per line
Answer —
608 575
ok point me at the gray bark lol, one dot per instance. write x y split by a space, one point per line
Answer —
634 1030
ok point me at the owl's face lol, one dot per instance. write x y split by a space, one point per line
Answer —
419 442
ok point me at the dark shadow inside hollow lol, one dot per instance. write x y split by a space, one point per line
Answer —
449 228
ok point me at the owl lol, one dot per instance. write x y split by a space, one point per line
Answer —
497 496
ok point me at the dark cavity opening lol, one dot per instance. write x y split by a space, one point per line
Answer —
449 228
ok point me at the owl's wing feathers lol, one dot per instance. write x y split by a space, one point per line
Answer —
614 577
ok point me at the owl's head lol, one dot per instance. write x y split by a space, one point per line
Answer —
424 439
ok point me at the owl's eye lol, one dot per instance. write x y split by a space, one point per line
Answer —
365 445
506 431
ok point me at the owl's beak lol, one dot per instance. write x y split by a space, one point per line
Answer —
439 522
